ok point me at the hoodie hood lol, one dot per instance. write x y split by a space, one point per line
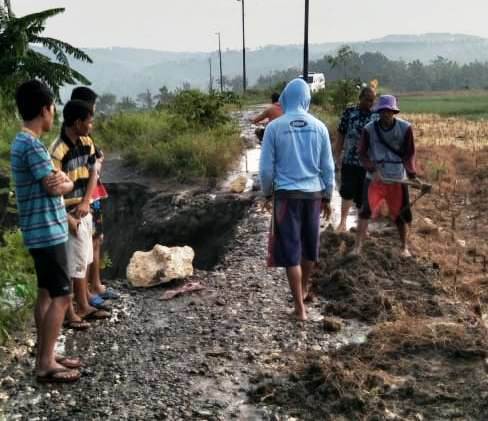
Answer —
295 97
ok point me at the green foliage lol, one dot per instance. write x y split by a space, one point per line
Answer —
8 128
167 145
467 104
342 93
199 109
19 61
440 74
17 283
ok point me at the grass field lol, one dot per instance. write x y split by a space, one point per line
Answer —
467 104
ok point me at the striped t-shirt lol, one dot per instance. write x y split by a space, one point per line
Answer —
43 219
77 160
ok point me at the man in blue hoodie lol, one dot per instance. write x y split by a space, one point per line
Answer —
297 171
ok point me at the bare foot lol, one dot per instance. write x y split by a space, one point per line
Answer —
341 227
82 313
301 317
406 253
356 251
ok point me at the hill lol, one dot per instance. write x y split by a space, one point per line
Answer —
129 71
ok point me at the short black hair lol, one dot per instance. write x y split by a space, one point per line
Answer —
366 90
31 97
84 94
75 110
275 97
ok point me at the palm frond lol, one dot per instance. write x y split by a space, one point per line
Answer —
61 49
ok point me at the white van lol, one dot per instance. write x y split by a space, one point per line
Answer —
316 81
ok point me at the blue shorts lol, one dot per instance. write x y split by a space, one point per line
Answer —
295 232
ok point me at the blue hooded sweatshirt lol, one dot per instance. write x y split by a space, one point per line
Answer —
296 152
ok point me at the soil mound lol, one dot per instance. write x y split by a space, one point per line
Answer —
377 285
409 369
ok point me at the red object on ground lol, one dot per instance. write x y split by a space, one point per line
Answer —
380 193
188 287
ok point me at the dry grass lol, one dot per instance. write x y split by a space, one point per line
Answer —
432 129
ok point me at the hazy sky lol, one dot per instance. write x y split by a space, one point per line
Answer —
190 25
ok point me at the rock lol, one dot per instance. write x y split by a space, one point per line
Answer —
461 243
160 265
8 382
428 227
238 185
332 324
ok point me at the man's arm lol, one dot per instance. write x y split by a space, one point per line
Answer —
261 117
57 183
363 149
339 146
341 134
84 207
409 158
327 164
267 162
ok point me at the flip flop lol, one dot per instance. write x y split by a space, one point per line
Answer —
97 315
69 362
99 303
55 376
76 324
110 294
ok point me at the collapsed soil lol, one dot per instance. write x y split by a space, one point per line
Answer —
425 357
233 352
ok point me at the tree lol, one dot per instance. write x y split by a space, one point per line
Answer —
106 103
126 104
20 61
146 99
164 96
343 58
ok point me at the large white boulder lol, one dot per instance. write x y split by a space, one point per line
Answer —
160 265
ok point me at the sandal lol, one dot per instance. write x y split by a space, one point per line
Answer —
97 315
99 303
56 376
76 324
69 362
110 294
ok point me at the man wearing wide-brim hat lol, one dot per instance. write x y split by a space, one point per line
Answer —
387 152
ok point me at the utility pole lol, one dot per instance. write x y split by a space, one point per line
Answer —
244 73
210 84
305 43
220 62
9 8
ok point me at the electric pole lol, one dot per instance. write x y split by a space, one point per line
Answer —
305 43
220 63
244 73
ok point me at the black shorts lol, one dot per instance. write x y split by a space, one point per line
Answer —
352 180
259 132
405 216
51 265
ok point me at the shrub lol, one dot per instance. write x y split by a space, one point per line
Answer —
17 283
199 109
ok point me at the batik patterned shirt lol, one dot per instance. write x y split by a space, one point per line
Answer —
351 126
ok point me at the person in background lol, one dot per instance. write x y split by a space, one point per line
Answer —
387 152
99 292
267 116
39 192
349 132
74 153
297 172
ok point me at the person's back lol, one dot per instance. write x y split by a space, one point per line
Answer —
296 148
297 170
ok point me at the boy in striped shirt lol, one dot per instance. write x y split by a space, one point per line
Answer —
39 189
